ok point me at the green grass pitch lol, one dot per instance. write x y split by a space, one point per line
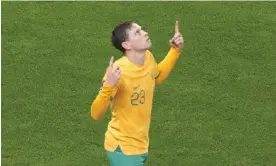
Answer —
218 106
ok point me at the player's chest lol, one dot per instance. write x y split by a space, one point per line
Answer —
139 88
144 81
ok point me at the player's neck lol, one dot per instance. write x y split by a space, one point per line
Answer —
137 58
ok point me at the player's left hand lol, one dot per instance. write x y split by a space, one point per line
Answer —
177 41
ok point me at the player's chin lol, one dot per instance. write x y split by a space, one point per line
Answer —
149 44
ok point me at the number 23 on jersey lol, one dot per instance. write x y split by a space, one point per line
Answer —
138 97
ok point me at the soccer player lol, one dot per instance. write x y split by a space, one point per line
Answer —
127 88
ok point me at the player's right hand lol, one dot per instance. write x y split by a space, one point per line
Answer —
113 73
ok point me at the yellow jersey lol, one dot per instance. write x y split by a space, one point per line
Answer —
131 106
130 101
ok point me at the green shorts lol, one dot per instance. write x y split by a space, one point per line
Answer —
118 158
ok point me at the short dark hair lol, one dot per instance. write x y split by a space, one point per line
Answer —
120 35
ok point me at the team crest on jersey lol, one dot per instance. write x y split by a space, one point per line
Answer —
153 75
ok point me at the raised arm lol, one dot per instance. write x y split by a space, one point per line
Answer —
107 92
167 64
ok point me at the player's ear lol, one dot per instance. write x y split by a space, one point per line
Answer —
126 45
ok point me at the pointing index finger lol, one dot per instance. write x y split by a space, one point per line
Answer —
176 27
111 61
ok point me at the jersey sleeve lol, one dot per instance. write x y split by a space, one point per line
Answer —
156 70
103 99
164 68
